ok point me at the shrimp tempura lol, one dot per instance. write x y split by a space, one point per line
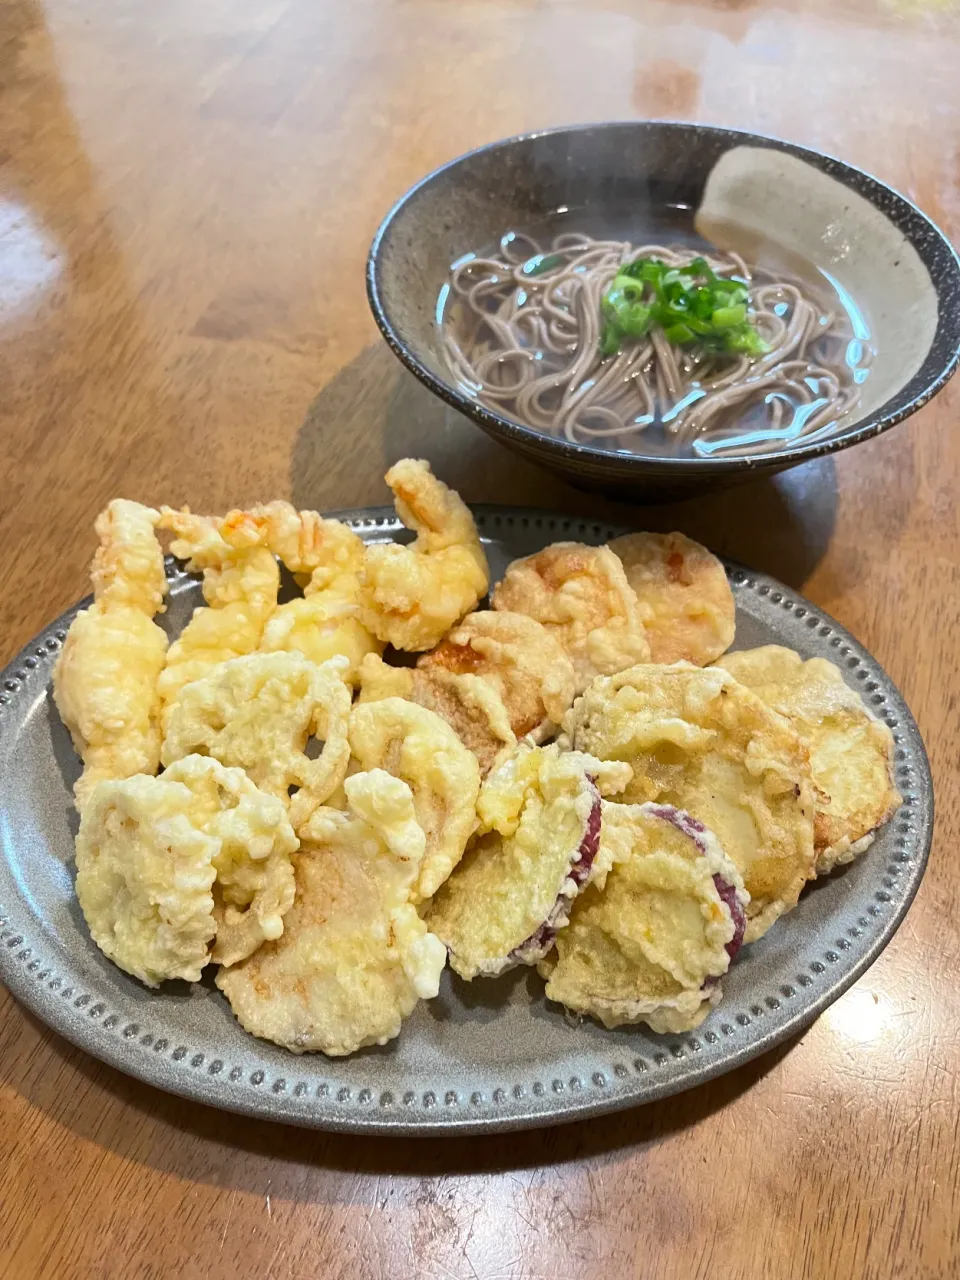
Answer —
105 682
412 595
240 587
324 623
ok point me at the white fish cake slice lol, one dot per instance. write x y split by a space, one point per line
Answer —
582 596
256 713
851 752
689 612
652 942
700 741
149 855
418 746
503 904
354 957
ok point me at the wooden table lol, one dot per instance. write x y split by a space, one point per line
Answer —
187 192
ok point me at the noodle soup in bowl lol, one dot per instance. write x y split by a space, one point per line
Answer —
652 308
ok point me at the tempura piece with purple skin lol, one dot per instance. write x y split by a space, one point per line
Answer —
538 848
651 944
105 680
699 740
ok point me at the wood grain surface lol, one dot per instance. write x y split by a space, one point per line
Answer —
187 193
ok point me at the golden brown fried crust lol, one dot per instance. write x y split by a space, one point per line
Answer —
519 657
851 752
683 592
582 596
470 705
699 740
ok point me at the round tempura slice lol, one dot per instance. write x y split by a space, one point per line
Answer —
700 741
257 712
582 596
651 944
689 613
519 657
851 752
540 816
149 854
354 957
471 705
416 745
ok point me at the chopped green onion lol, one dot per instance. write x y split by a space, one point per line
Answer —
729 317
690 304
545 263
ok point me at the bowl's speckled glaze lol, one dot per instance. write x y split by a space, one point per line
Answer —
470 202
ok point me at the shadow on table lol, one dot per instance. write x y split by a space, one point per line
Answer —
374 411
133 1132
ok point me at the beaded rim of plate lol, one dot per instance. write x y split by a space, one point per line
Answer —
307 1091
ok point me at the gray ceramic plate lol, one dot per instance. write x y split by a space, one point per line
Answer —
491 1055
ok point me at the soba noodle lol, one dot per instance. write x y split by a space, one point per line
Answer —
521 331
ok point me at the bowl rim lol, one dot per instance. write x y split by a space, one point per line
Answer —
944 350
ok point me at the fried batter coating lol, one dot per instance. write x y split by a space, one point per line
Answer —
149 852
354 957
128 564
471 705
851 752
582 596
257 712
412 595
540 814
700 741
517 655
325 622
254 885
689 613
650 944
240 587
416 745
105 680
304 540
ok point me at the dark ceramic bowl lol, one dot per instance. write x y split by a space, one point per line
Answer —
876 244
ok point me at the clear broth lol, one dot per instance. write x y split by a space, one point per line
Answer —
748 430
